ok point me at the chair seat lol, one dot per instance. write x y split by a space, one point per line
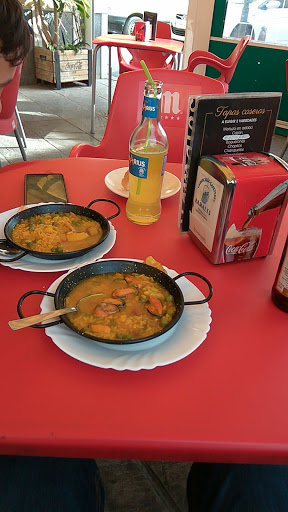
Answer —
8 125
9 113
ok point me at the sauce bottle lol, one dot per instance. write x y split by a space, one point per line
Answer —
280 286
148 149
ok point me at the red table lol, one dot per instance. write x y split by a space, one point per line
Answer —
224 402
125 41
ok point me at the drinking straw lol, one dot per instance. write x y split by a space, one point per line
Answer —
147 72
150 79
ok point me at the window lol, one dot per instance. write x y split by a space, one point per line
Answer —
265 21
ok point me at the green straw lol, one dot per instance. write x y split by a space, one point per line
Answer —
147 72
150 79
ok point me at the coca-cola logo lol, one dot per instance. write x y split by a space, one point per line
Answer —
72 66
241 249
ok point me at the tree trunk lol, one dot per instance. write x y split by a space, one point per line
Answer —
42 27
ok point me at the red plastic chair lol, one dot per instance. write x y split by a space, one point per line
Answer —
286 145
225 66
152 59
9 116
126 109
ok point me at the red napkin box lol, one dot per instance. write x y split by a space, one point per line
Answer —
238 204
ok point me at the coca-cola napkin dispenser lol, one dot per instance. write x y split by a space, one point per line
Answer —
238 203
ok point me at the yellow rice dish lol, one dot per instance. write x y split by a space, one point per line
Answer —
120 306
56 232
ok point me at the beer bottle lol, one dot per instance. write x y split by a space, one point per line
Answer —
280 286
148 148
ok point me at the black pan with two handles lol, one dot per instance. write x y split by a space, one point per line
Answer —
7 246
127 266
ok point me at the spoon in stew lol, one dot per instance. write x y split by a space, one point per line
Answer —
20 323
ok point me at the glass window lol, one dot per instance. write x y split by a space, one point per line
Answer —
266 20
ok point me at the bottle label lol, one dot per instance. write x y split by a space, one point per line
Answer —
138 165
150 107
205 211
282 283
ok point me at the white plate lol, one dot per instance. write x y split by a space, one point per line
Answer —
179 342
32 264
171 184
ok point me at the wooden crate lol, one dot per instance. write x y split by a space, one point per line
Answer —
57 67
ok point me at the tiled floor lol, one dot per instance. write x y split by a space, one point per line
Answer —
127 489
53 122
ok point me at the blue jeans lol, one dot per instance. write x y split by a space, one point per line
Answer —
237 488
47 484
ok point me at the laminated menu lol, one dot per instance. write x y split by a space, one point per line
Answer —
224 124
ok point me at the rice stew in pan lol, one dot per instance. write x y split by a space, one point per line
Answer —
57 232
121 306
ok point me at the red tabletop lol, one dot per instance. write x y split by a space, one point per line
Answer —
224 402
125 41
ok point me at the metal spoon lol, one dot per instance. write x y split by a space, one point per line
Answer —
7 249
20 323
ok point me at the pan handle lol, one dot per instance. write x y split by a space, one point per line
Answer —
194 302
35 292
4 249
107 201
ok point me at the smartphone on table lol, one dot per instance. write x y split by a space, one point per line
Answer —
45 188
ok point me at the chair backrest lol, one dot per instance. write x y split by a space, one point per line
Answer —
163 30
234 57
9 95
226 67
126 109
153 59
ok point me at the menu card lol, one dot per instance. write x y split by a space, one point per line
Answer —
152 18
224 124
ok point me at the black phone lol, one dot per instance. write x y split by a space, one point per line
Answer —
45 188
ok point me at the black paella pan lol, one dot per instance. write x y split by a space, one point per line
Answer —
7 246
127 266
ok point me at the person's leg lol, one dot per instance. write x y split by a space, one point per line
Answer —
237 488
46 484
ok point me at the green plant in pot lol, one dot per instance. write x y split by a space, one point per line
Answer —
60 51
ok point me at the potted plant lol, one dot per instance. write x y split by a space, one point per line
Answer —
59 47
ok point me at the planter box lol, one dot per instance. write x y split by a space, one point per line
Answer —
58 67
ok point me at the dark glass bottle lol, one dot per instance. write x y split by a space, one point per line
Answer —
280 286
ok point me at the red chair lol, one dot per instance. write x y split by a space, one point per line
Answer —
125 115
286 145
152 59
225 66
9 116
